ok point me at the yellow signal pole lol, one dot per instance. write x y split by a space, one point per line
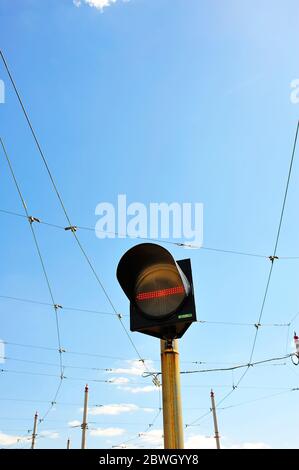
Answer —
171 395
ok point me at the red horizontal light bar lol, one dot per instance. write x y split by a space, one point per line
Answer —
160 293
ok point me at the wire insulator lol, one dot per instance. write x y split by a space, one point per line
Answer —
72 228
33 219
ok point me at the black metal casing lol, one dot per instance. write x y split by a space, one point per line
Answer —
142 257
175 325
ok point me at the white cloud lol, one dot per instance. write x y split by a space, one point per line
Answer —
154 438
251 445
98 4
198 441
8 440
113 409
74 423
49 434
116 409
145 389
126 446
119 380
135 367
107 432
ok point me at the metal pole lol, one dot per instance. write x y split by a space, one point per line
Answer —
34 433
84 423
171 394
217 436
68 444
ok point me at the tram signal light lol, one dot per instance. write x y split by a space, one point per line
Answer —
160 291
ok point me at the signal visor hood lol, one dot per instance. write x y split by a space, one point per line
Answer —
138 259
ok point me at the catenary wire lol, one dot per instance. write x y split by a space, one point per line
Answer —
40 257
99 312
71 226
269 275
126 236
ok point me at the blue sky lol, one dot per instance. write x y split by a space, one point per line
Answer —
161 100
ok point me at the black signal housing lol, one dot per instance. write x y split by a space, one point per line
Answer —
160 291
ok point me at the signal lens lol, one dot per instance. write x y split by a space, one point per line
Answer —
159 290
160 293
